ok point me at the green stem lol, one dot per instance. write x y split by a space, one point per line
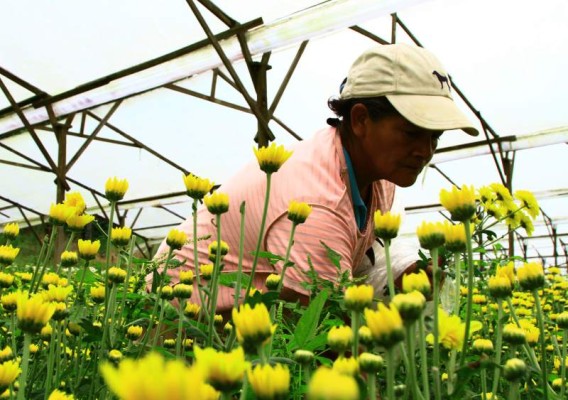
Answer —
451 371
287 257
244 390
498 346
159 324
513 391
540 319
122 305
390 277
563 367
50 361
260 234
457 292
214 284
69 241
483 384
196 261
413 378
372 385
180 327
390 374
423 358
355 322
241 253
13 331
34 286
108 326
436 328
469 306
24 366
109 231
158 300
80 286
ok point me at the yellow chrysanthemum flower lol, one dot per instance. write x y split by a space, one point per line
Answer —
369 362
253 325
6 280
409 305
182 291
59 395
500 286
120 236
11 231
115 189
153 378
430 235
33 313
271 158
197 187
6 354
134 332
416 281
60 213
223 250
514 369
459 202
501 192
358 297
451 330
339 338
269 382
223 371
482 346
346 365
176 239
186 277
88 249
8 254
507 271
116 275
57 293
386 225
385 324
78 222
514 334
97 293
69 258
191 310
10 300
206 271
217 203
528 201
531 276
272 281
455 237
327 384
9 371
298 212
75 199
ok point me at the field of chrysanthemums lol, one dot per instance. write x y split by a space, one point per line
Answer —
79 329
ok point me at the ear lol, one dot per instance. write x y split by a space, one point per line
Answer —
359 116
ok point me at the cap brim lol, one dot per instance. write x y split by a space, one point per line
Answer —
436 113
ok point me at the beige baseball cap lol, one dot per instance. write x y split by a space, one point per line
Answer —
413 80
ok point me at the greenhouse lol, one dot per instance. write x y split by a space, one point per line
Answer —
119 120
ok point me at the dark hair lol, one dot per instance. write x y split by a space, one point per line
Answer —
377 107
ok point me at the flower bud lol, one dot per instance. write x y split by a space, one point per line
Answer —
514 369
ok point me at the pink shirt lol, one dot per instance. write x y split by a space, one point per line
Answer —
316 173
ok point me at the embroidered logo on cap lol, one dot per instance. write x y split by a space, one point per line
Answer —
442 79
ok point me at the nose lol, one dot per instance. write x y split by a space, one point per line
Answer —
424 146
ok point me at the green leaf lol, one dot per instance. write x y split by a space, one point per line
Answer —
333 255
308 323
271 257
230 279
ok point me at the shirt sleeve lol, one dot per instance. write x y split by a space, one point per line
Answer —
323 225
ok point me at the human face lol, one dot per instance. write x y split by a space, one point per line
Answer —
393 149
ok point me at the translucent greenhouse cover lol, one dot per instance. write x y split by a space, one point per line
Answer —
508 57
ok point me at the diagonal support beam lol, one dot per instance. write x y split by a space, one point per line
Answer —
100 126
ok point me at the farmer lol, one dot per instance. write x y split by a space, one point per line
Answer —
392 109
